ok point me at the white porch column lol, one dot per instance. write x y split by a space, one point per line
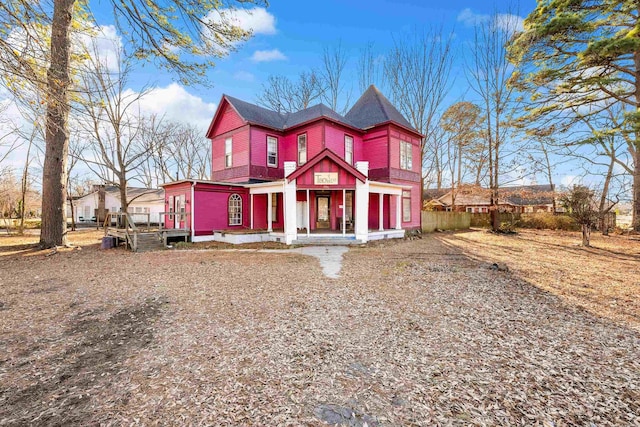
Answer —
289 199
269 212
344 211
251 211
381 212
361 218
399 212
308 213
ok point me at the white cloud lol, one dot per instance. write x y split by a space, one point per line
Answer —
570 180
173 102
256 20
268 55
244 76
470 18
503 21
105 43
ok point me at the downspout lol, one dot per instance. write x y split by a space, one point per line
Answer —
193 211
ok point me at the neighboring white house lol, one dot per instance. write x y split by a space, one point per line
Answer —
142 201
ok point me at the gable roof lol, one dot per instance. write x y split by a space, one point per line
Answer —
373 108
256 114
327 153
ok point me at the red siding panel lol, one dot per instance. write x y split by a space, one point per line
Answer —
375 146
240 155
227 120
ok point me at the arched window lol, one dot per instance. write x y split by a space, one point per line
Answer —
235 210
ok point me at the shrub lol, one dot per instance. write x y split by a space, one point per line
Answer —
548 221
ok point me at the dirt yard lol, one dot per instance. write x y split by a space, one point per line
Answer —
423 332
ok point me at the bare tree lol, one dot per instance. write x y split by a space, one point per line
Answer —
418 74
334 60
286 96
370 69
112 124
488 72
178 150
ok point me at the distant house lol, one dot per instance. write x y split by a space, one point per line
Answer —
95 205
476 199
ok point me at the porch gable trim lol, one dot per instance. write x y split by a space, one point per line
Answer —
327 153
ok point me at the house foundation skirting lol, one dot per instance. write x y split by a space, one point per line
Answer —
236 238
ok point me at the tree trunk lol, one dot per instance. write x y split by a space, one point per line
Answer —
73 215
636 190
586 235
124 206
54 175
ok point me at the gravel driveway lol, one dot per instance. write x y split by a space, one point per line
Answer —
411 333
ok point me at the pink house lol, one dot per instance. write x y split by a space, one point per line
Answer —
303 176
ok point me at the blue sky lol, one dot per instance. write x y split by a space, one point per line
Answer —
291 35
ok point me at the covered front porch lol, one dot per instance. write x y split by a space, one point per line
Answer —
326 200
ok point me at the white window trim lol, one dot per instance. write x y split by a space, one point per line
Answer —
303 136
228 152
235 217
406 155
274 140
350 139
406 199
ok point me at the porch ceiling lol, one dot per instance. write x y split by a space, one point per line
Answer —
386 188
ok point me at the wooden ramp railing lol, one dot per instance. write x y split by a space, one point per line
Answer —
121 226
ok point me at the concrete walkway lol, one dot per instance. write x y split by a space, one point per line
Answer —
330 257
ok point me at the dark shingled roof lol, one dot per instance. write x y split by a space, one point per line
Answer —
255 114
312 113
373 108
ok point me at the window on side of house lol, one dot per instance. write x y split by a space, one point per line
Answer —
235 209
272 151
302 149
348 149
406 206
406 155
470 210
228 151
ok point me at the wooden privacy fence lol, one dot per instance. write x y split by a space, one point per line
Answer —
445 221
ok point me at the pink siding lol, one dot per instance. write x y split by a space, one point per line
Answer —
345 179
259 168
315 142
211 208
334 140
375 145
260 213
374 212
182 188
240 154
227 120
395 136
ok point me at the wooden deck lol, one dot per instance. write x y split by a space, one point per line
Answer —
141 237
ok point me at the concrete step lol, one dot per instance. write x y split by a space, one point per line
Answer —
327 242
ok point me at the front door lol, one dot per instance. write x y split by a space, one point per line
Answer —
179 209
322 214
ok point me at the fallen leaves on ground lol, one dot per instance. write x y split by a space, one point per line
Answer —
419 332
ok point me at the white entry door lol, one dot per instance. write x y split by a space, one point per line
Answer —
179 209
301 215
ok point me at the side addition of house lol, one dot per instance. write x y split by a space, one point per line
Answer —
298 176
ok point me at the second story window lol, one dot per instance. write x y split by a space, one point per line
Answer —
348 149
302 149
228 150
406 155
272 151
